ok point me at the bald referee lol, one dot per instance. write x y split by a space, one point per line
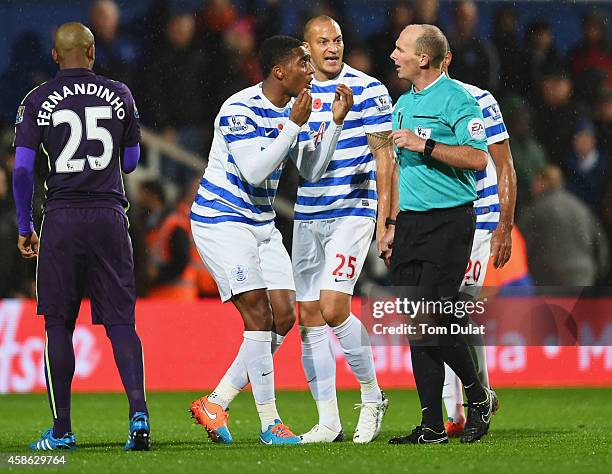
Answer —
439 135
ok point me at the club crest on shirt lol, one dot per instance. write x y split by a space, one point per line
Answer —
20 112
238 124
423 132
476 129
240 273
383 103
494 112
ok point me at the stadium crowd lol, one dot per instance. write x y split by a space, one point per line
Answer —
182 64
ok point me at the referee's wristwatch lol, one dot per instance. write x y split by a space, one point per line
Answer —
429 146
389 222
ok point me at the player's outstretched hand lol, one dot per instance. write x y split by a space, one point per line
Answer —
28 245
405 138
385 246
342 103
300 112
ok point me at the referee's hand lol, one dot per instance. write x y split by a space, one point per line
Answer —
405 138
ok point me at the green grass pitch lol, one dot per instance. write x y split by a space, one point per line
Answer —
545 430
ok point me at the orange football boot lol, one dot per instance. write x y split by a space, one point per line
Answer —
213 418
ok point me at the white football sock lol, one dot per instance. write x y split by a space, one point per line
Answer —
355 344
234 380
319 365
452 394
260 369
277 340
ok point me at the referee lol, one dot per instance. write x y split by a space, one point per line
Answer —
439 134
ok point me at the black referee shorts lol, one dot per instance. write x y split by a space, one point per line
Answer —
432 248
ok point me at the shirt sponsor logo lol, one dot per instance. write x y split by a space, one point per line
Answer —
476 129
383 103
423 132
20 112
238 124
240 273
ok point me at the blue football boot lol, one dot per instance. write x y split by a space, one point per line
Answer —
48 443
139 438
279 434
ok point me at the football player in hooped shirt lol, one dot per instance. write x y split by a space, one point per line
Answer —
335 219
232 221
87 127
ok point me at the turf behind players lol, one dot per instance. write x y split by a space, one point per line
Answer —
87 126
232 219
496 189
335 219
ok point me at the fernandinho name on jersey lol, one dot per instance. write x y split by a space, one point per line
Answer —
445 112
55 97
348 187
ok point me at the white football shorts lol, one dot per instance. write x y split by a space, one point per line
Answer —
477 266
243 257
328 254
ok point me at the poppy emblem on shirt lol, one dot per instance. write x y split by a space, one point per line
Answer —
280 126
317 104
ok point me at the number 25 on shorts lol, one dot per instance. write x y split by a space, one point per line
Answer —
350 266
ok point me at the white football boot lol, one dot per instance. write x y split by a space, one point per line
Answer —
370 420
322 434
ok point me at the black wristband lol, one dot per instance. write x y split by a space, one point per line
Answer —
389 222
429 146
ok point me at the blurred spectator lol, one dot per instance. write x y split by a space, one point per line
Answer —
204 281
566 244
168 242
509 49
587 168
475 60
28 67
216 16
426 12
557 116
360 59
240 44
382 43
591 59
267 18
14 278
178 92
529 156
541 56
116 54
603 121
513 278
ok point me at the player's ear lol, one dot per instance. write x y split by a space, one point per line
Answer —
54 55
306 45
278 72
91 53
